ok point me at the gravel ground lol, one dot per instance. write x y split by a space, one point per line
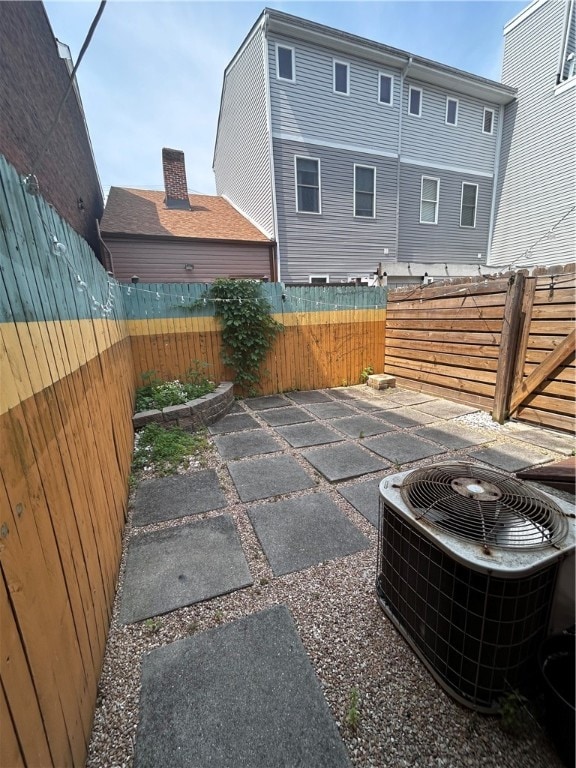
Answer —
405 718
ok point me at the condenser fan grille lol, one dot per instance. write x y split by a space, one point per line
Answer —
484 506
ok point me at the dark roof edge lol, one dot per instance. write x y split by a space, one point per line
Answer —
183 238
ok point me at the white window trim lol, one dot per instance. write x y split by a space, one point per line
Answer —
437 201
468 184
372 168
565 85
448 100
317 159
410 89
344 64
293 51
391 102
491 132
326 278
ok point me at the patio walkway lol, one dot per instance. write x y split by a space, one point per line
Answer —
246 690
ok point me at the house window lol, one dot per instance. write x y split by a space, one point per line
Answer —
488 121
385 89
468 205
318 279
285 63
307 185
341 77
429 194
451 111
364 191
415 101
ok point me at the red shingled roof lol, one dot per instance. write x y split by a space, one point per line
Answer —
143 212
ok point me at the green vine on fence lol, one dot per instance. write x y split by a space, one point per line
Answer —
248 328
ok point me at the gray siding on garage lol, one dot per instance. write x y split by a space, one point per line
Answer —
163 261
309 108
537 182
242 163
333 242
429 139
446 241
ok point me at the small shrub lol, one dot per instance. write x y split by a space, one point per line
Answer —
160 394
166 450
367 371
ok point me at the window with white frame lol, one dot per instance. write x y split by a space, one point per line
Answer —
307 184
488 121
341 77
415 101
318 279
365 191
451 111
385 89
429 194
285 63
468 205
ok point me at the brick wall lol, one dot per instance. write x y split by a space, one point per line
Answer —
33 79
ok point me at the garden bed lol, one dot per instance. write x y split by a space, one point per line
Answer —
193 415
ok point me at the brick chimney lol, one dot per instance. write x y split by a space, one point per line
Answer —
175 179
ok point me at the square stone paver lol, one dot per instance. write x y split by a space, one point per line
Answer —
262 478
239 445
343 462
298 533
166 498
364 497
233 423
406 418
445 409
178 566
563 444
281 416
330 410
243 695
402 447
406 397
375 404
509 457
312 396
314 433
268 401
452 436
361 426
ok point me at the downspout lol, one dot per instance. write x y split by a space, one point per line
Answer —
402 76
265 54
110 266
495 180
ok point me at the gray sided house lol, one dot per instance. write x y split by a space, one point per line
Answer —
174 237
535 221
349 153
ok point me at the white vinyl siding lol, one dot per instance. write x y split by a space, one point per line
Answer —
415 101
386 89
365 191
307 174
429 198
468 205
285 69
451 111
488 121
341 77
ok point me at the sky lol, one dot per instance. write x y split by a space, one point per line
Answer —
152 75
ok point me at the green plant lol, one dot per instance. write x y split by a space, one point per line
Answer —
152 625
514 714
160 394
219 616
353 714
248 328
165 450
365 372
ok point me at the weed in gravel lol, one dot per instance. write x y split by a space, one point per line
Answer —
353 714
152 625
166 450
514 715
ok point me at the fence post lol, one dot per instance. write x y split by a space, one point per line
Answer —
507 352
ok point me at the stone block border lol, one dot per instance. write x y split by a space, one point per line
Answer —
197 413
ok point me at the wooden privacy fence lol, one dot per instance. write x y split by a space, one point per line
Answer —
504 343
331 333
66 440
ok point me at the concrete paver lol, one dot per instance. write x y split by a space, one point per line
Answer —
233 423
314 433
364 496
343 461
330 410
452 436
263 478
508 456
167 498
282 416
443 409
240 445
361 426
313 396
402 447
268 401
301 532
406 418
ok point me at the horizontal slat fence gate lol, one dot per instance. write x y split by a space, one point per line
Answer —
66 402
330 333
450 339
